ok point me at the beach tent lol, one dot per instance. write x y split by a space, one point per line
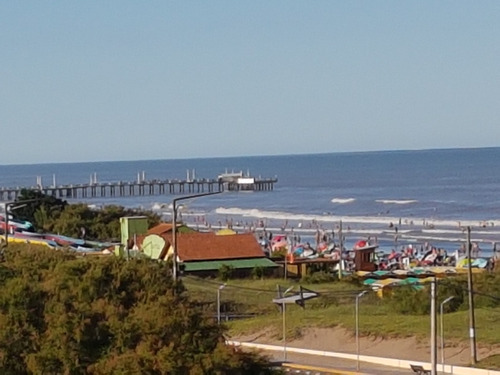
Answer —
369 281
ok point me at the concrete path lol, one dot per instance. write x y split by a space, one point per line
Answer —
318 365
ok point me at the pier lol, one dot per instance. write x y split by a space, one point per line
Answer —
96 189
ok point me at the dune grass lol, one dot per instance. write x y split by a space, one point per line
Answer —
334 307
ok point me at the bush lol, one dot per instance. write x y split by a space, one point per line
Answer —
409 300
319 277
489 285
63 314
258 273
455 287
226 272
49 214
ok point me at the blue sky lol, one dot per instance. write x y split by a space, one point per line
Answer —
132 80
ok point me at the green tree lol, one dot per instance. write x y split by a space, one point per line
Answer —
64 314
49 214
36 201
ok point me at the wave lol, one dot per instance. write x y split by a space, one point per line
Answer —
343 200
161 206
396 201
428 238
409 223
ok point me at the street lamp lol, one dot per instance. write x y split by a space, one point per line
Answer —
15 204
218 301
442 329
357 327
174 227
433 327
283 309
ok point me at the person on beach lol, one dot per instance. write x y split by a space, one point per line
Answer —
475 250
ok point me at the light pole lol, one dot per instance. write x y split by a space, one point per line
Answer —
174 227
433 328
442 329
283 309
341 262
218 301
6 206
357 327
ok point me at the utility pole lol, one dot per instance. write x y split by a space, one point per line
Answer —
357 327
472 320
433 329
341 239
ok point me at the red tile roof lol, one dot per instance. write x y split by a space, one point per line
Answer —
160 229
209 246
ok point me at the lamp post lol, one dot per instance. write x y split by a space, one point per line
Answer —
174 227
433 328
341 262
357 327
15 204
283 309
442 329
218 301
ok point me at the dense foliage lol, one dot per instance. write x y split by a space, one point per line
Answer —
52 215
63 314
486 286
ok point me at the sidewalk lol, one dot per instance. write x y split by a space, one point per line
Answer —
314 364
346 363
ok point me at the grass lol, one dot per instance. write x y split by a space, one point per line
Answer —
334 307
490 363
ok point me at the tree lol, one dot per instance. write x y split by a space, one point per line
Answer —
49 205
64 314
49 214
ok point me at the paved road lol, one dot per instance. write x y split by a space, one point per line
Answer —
319 365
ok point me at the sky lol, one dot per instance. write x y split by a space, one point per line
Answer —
140 80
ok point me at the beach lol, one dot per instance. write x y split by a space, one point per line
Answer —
399 198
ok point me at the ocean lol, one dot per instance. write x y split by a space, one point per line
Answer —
397 197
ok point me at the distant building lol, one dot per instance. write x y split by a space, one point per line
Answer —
205 253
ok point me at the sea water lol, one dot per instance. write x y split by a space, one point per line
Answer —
397 197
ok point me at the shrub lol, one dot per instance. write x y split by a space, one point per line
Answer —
258 272
64 314
226 272
489 286
319 277
409 300
455 287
